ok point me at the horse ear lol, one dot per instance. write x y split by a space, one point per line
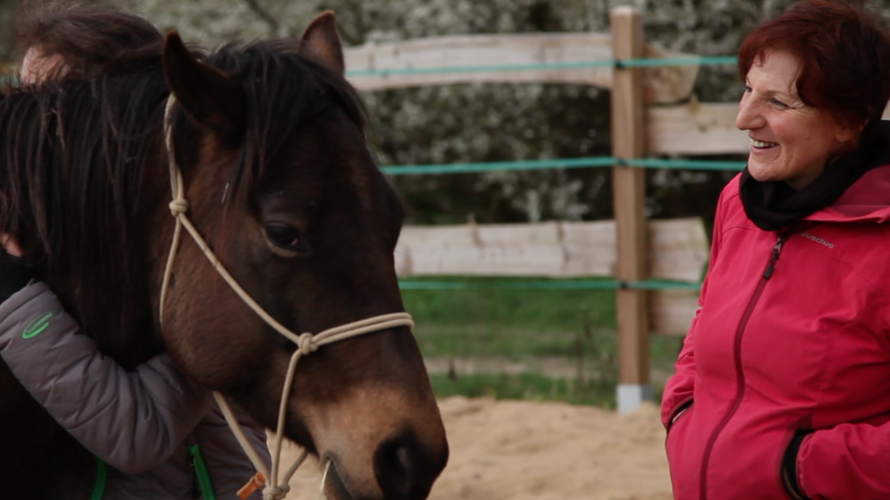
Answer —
322 41
212 97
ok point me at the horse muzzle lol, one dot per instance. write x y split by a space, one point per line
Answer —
404 468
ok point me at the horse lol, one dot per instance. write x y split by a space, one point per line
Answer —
270 140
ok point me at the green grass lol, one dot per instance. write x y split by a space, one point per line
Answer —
481 339
527 325
505 307
506 322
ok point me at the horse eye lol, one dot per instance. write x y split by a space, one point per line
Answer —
284 238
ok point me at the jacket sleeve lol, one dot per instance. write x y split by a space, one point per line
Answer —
132 420
678 391
846 461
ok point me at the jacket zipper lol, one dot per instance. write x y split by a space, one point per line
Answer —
737 358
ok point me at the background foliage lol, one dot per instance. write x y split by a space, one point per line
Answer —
479 122
498 122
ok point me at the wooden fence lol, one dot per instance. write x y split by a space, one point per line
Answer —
646 120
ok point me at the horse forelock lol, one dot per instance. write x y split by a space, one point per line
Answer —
284 91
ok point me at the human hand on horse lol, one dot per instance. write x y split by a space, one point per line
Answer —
13 274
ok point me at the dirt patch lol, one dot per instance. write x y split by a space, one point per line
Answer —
521 450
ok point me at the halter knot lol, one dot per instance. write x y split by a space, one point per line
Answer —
179 206
306 344
275 492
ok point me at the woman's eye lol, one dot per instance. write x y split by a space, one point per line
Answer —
283 236
779 104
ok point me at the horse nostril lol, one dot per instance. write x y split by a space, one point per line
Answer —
404 470
392 466
402 459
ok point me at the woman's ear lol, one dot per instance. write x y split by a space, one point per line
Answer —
848 135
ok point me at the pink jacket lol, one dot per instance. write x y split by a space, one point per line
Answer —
791 336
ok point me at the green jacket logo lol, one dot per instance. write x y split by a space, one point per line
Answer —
37 325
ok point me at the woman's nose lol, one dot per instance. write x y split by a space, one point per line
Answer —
748 117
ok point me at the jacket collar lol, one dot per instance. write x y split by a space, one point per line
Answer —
866 201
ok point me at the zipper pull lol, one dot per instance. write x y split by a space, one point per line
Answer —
773 257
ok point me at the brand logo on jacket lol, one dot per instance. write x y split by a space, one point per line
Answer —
37 325
817 239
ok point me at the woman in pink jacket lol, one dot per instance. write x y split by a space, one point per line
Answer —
782 388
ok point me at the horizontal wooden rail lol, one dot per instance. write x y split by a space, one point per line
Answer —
678 249
612 63
547 57
695 129
561 163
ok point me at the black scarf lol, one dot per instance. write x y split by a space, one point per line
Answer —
772 205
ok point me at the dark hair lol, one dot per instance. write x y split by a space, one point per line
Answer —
86 36
844 54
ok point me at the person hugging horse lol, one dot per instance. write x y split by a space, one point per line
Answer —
261 147
155 434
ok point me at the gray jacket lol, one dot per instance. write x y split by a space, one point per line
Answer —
140 423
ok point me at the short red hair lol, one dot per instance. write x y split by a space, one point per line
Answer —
844 54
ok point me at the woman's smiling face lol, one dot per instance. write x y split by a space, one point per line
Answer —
790 141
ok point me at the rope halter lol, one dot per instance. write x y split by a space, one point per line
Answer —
307 343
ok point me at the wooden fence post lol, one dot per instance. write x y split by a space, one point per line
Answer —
628 191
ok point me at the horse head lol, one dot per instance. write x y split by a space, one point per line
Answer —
280 181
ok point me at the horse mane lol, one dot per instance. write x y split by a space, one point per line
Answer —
73 157
83 164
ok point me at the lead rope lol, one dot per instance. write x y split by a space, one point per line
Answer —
306 342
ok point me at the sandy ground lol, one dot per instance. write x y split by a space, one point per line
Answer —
520 450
